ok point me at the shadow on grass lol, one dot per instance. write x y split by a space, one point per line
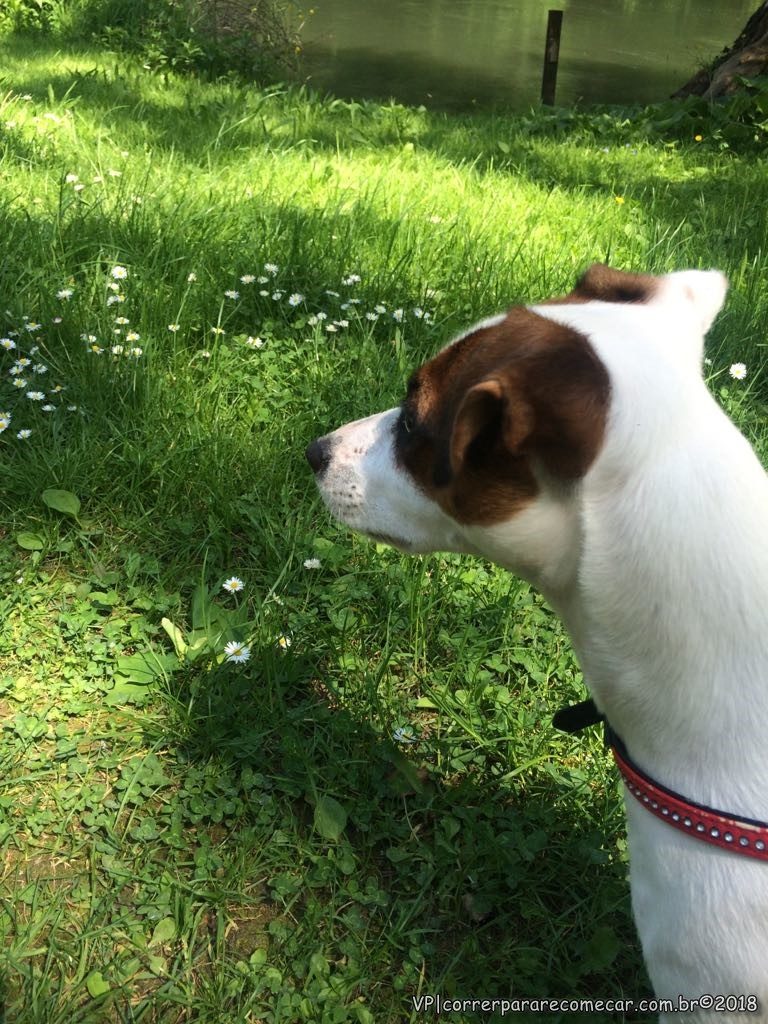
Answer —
444 879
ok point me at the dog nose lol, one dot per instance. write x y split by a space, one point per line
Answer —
319 455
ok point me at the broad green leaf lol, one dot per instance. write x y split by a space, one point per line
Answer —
177 637
141 669
330 817
96 984
30 541
165 931
62 501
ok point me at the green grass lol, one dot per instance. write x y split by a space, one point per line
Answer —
189 839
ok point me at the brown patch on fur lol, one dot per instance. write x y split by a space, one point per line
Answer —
605 284
484 410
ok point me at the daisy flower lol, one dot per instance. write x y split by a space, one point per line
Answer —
352 279
5 421
232 294
271 268
247 279
404 734
233 585
218 330
36 396
174 327
137 352
283 642
122 320
7 344
254 342
64 294
133 336
738 371
237 652
312 563
117 350
296 299
71 179
20 383
48 407
23 434
398 315
191 278
119 273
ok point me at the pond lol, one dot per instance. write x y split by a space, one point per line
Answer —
469 54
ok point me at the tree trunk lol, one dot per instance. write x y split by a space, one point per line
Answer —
746 58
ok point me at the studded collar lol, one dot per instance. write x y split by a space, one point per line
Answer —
718 828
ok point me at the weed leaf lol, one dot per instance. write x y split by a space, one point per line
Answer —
177 637
165 931
330 817
30 541
62 501
96 984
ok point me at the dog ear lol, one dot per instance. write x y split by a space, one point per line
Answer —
551 405
490 411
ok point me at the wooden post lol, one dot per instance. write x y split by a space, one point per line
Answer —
551 57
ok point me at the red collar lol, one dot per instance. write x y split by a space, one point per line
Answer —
719 828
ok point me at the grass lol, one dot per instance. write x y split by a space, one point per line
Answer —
373 806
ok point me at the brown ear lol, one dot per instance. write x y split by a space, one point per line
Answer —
490 411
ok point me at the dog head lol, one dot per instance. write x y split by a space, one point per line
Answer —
493 446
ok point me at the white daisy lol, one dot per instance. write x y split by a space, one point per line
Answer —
237 652
233 585
738 371
23 434
119 273
312 563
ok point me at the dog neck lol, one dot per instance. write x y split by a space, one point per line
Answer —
669 616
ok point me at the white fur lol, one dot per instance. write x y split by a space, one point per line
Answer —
658 563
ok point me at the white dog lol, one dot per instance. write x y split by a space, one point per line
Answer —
575 443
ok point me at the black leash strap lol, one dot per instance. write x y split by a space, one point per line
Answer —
577 717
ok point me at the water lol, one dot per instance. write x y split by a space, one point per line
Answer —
469 54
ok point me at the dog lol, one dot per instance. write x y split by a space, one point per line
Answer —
575 443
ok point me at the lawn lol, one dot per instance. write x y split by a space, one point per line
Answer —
369 803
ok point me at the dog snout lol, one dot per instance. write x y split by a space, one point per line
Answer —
318 455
